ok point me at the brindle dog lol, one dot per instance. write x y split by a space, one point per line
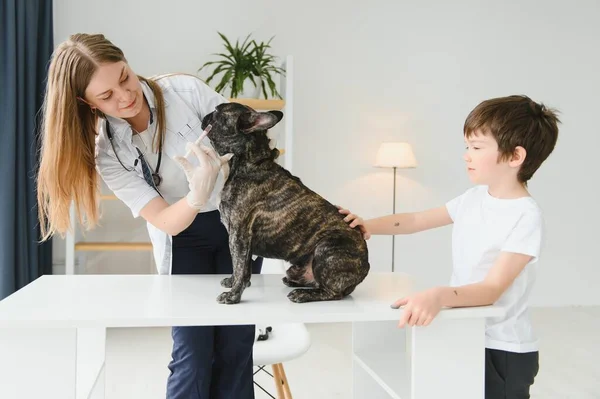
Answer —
270 213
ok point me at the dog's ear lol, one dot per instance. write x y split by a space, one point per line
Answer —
250 122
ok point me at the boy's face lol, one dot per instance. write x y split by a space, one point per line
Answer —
484 165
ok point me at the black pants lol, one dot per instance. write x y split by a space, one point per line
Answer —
509 375
209 362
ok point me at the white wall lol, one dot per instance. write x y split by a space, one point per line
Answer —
403 71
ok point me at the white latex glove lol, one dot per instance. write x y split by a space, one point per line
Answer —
202 178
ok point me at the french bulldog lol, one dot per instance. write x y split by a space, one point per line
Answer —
269 212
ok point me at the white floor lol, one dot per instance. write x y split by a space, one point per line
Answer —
569 359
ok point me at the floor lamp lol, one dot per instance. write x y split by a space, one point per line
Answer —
396 156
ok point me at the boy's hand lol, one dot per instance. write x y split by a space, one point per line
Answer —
355 221
420 308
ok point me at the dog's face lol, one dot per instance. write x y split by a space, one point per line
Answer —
237 128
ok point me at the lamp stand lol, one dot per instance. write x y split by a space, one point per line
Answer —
393 212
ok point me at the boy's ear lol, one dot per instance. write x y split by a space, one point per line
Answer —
518 157
250 122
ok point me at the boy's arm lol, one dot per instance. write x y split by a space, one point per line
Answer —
401 223
421 308
520 248
502 274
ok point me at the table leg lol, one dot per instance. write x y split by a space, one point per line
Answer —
38 363
380 360
443 360
448 359
136 362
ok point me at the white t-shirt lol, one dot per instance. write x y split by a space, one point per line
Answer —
483 227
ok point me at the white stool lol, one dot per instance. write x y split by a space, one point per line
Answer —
285 342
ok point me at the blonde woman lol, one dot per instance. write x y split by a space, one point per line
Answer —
101 118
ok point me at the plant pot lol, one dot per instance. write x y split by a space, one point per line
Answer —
250 91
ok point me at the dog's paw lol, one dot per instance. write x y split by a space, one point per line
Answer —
288 282
229 298
299 296
227 282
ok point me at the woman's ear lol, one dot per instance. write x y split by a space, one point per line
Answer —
85 102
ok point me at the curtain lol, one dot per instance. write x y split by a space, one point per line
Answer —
26 44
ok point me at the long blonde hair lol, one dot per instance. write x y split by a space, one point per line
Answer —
67 171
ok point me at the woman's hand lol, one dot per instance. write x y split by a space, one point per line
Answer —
201 178
355 221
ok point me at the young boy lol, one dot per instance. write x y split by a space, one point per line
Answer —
496 238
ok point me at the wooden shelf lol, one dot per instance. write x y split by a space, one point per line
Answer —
260 104
113 246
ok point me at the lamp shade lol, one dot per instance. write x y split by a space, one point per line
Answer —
395 155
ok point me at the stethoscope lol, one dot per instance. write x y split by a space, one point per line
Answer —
156 178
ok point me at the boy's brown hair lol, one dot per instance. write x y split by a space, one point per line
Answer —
516 121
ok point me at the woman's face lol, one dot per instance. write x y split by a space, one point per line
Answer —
115 90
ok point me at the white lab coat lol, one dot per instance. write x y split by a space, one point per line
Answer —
187 101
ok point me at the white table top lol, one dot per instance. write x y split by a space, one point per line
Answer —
151 301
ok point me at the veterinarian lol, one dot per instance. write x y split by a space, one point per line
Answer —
100 117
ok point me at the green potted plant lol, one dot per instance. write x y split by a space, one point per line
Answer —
244 63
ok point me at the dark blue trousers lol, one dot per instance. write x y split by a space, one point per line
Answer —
209 362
